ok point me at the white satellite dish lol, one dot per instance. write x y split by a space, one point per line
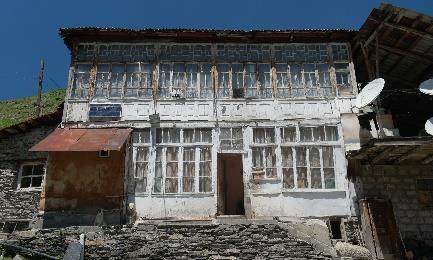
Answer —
429 126
426 87
369 93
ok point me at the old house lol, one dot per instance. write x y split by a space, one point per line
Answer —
22 172
393 172
195 124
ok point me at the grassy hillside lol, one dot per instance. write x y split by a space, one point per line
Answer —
18 110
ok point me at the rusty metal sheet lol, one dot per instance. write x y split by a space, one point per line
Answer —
77 139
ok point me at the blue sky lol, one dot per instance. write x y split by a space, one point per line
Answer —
29 29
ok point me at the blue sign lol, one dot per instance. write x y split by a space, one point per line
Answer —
102 112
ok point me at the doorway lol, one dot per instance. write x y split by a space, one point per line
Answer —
230 185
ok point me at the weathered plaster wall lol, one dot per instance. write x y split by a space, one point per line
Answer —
398 183
83 180
19 204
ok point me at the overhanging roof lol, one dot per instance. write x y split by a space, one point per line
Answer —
400 150
97 34
77 139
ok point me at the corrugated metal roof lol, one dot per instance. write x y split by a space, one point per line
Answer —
77 139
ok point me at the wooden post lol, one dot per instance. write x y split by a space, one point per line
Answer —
366 61
39 99
377 57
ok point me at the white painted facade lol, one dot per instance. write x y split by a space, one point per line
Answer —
262 197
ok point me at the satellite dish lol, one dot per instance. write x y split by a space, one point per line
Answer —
429 126
369 93
426 87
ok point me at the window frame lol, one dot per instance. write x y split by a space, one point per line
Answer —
21 177
75 72
262 148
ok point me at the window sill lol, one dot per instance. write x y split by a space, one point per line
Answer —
311 190
178 195
269 180
29 189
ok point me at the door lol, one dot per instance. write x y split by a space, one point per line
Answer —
380 229
230 185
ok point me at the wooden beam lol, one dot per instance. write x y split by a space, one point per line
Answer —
385 152
428 159
366 61
403 28
423 58
382 23
407 154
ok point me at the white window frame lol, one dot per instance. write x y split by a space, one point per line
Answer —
263 146
20 176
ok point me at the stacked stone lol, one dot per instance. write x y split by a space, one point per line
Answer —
178 241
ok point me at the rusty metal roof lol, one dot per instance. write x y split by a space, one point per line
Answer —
97 34
78 139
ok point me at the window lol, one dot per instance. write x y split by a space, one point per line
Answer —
265 87
117 80
141 154
282 80
104 154
223 80
205 172
231 139
164 80
167 135
81 81
179 80
191 80
308 166
102 81
172 173
251 80
157 185
238 80
311 87
342 74
206 81
324 80
31 175
263 152
138 80
197 135
188 169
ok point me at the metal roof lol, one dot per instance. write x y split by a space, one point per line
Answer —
98 34
400 150
78 139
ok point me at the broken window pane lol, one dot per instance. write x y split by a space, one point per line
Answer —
331 133
81 83
306 134
102 81
238 80
164 80
223 80
206 81
288 178
117 80
288 134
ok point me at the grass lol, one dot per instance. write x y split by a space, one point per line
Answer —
18 110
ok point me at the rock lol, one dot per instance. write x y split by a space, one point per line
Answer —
349 250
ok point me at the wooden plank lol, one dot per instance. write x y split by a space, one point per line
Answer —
378 28
414 55
404 28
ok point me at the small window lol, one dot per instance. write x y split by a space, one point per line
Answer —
31 175
335 228
104 154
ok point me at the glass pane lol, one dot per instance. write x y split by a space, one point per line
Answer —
189 154
257 158
142 136
38 169
289 134
226 144
288 178
158 170
188 136
316 178
131 68
140 185
141 170
174 135
206 135
172 154
328 156
301 156
37 181
205 184
306 134
188 184
157 187
171 185
188 169
287 156
27 170
270 157
319 133
205 169
205 154
171 169
270 135
237 133
314 157
271 172
225 133
259 135
142 154
25 182
329 178
302 177
331 133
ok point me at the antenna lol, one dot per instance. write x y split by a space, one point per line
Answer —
429 126
426 87
39 99
369 93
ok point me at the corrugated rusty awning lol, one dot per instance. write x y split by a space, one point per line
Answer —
76 139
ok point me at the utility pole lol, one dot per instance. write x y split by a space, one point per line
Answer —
39 100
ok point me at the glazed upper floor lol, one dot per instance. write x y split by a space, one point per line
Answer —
117 69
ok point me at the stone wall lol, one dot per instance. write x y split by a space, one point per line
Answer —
204 240
398 183
19 204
